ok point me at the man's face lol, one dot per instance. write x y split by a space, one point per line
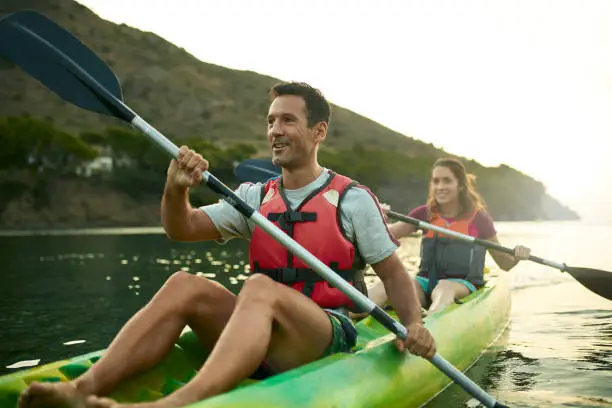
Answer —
292 142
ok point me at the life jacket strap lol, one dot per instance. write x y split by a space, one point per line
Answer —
307 275
288 218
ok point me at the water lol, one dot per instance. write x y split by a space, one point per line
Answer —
67 294
557 351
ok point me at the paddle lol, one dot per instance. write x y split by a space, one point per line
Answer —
62 63
596 280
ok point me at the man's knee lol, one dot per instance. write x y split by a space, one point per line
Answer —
186 287
259 289
180 280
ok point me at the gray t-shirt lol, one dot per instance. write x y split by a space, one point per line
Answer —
360 214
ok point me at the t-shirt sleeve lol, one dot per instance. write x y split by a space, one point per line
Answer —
484 225
364 225
420 213
229 222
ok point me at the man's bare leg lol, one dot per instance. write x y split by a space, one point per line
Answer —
145 339
271 321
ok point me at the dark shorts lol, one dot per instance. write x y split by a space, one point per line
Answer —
344 333
344 338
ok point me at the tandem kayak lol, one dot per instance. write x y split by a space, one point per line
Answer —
375 375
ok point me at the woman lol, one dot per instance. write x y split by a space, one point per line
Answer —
451 269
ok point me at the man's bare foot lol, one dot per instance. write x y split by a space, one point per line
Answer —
96 402
57 395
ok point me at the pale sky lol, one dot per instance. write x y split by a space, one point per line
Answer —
526 83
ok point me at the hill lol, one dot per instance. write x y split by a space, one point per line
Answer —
187 99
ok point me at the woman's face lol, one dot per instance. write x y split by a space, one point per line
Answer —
445 185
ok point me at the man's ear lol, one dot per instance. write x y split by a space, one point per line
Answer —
320 131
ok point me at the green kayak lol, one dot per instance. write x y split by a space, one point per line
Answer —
376 375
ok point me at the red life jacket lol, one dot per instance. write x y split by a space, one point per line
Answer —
315 224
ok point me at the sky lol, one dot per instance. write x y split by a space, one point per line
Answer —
524 83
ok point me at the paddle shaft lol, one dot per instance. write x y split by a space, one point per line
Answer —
483 242
117 108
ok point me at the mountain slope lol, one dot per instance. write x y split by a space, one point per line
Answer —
185 98
171 89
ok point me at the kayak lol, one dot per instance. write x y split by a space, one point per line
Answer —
374 375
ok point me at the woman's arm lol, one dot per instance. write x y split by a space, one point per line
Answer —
507 261
401 229
398 229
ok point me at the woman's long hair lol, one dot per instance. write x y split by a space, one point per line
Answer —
469 199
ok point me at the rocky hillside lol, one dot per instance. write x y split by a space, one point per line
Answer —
174 91
189 99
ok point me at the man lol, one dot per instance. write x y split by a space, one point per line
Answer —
270 327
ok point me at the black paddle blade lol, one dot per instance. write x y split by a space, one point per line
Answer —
256 170
595 280
61 62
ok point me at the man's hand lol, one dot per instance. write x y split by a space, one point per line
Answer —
419 341
186 170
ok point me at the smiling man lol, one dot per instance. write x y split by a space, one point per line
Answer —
285 315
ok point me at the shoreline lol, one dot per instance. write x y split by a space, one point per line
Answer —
158 230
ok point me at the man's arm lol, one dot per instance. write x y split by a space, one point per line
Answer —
180 220
400 289
403 297
378 249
